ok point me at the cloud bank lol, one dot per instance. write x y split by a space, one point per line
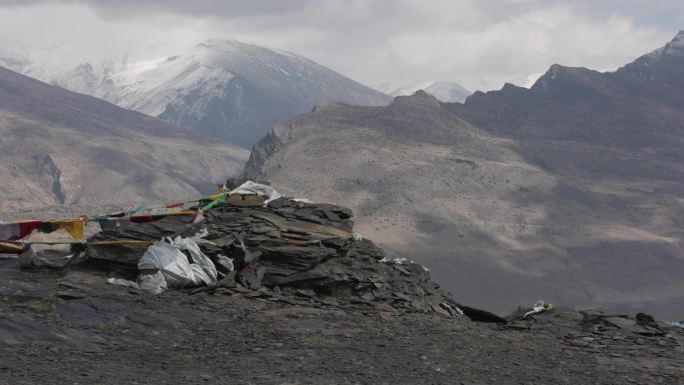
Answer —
479 43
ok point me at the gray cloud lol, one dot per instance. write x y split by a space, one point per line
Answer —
481 43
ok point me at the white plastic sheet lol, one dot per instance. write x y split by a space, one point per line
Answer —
171 267
538 307
226 262
154 283
168 257
253 188
302 200
32 258
198 258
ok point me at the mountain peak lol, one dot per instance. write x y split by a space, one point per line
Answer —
674 47
550 75
419 98
224 88
444 91
678 40
650 66
222 43
423 94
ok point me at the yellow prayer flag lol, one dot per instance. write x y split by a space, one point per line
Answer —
11 248
73 226
215 196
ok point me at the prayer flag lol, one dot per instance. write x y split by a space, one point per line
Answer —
75 227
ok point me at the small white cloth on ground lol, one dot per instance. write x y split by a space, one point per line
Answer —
538 307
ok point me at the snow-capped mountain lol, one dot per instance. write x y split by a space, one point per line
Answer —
223 88
444 91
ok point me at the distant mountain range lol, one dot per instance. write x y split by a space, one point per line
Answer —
443 91
225 89
63 151
571 191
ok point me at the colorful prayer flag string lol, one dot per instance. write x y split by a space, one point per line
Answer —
75 227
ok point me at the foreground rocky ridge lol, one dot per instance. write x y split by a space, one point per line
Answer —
307 302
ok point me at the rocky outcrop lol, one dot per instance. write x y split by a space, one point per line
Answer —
262 150
51 174
298 252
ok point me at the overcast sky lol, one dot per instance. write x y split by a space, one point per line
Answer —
479 43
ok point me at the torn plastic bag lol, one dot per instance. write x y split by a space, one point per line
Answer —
32 258
178 271
226 264
197 257
201 234
154 283
123 282
302 200
166 265
252 188
538 307
198 238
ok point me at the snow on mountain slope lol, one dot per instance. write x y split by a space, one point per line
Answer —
444 91
224 88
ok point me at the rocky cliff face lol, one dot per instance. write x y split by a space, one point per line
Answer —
569 191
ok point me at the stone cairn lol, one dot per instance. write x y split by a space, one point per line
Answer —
296 252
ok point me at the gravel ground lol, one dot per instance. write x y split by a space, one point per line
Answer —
70 327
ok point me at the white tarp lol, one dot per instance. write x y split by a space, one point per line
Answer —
171 267
253 188
178 270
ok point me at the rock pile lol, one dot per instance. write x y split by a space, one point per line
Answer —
292 251
617 335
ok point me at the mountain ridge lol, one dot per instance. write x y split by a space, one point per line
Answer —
68 151
226 89
445 91
558 191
